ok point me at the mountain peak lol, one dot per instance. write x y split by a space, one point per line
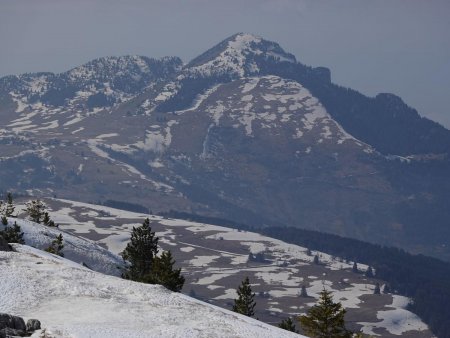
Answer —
238 55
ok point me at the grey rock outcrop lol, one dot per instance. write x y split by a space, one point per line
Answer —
7 332
33 325
12 326
12 322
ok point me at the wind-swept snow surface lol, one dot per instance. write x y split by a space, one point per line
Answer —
72 301
79 250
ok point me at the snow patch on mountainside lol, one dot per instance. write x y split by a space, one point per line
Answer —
398 320
154 142
275 103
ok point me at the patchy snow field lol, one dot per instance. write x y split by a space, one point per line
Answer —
215 259
72 301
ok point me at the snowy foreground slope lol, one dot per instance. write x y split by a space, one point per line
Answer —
73 301
214 260
79 250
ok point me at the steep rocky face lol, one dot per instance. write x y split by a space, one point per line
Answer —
242 132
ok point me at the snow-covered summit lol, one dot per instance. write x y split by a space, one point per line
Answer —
238 55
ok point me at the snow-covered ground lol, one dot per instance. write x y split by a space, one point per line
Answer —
79 250
213 258
73 301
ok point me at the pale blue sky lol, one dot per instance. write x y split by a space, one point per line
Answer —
398 46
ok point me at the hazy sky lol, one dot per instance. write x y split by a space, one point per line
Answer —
398 46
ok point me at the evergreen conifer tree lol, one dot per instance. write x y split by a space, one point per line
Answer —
56 246
9 207
193 294
164 274
47 221
46 218
35 210
325 319
245 303
13 234
140 252
303 292
316 259
376 291
355 267
4 219
288 324
369 272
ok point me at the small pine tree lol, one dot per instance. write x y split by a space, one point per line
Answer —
9 207
56 246
355 267
13 234
164 274
325 319
35 210
288 324
193 294
140 252
376 291
47 221
316 259
386 289
303 292
4 220
245 303
46 218
360 335
369 272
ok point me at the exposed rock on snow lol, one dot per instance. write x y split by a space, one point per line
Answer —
33 325
15 326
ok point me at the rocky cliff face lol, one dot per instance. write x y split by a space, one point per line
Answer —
243 132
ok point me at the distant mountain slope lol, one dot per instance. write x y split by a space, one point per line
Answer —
384 122
99 83
242 132
70 300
